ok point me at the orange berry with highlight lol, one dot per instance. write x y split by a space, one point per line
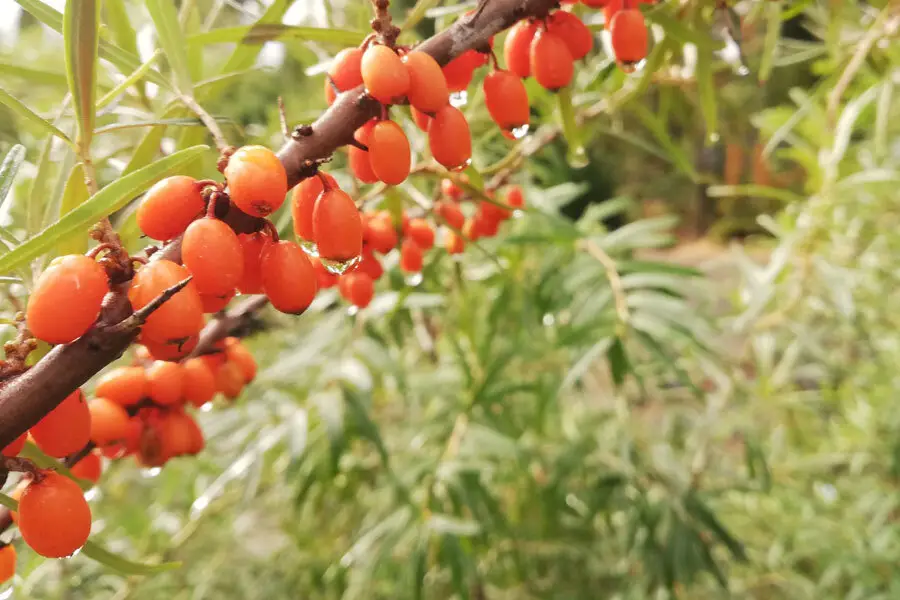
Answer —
421 232
166 381
239 355
169 207
389 153
379 233
199 382
181 316
109 422
517 48
428 90
344 72
89 468
7 562
370 265
15 446
551 62
572 31
450 213
66 428
123 385
324 278
212 253
252 245
454 243
449 138
303 203
54 517
289 279
66 299
629 37
337 226
359 160
386 77
257 181
411 257
506 100
459 71
357 288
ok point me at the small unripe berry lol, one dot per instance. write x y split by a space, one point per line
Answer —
359 158
109 422
199 382
252 245
389 153
357 288
517 48
123 385
384 74
337 226
288 277
303 202
449 138
257 181
181 316
428 90
411 257
344 72
628 34
89 468
169 207
572 31
450 213
66 299
7 562
212 253
551 62
421 232
454 243
66 428
166 380
506 100
54 518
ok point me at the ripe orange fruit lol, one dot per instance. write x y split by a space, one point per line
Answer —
359 158
454 243
517 48
152 449
337 226
288 277
515 197
472 230
199 382
385 75
66 299
124 385
450 213
420 119
66 428
230 379
389 153
212 253
506 100
449 138
172 351
166 381
15 446
428 90
324 278
89 468
303 202
370 265
572 31
213 304
131 443
252 245
169 207
344 71
628 35
357 288
238 354
458 72
54 517
595 3
257 181
196 439
178 318
109 422
379 233
610 9
421 232
7 562
492 212
410 257
551 62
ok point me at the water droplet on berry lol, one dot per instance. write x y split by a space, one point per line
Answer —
520 132
458 99
462 167
309 247
151 473
352 310
338 267
413 279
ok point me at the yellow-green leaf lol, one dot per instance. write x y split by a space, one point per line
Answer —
81 33
146 150
8 169
271 32
75 194
114 561
26 113
171 39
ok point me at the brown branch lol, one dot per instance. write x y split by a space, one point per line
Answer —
228 324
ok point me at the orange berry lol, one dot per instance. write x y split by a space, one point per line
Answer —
428 90
454 243
212 253
230 379
385 75
421 232
595 3
152 450
551 62
628 34
66 428
492 212
410 257
451 190
359 158
257 181
506 100
124 385
389 153
610 9
449 138
166 381
337 226
420 119
66 299
54 517
370 265
89 468
471 230
572 31
169 207
177 433
303 202
129 445
196 440
173 351
15 446
450 213
199 382
344 71
379 233
109 422
515 197
517 48
324 278
7 562
357 288
288 277
487 227
252 245
459 71
213 304
181 316
239 355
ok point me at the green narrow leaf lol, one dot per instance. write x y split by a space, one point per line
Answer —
181 122
146 150
271 32
106 201
38 195
38 76
418 13
8 169
706 87
81 34
129 81
618 362
8 502
702 513
577 155
75 194
114 561
171 38
26 113
120 26
659 130
770 43
681 32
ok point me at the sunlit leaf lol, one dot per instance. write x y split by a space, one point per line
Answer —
271 32
171 38
75 194
26 113
8 169
32 75
81 25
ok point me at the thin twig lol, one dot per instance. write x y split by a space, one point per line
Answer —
208 120
139 317
282 118
615 281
